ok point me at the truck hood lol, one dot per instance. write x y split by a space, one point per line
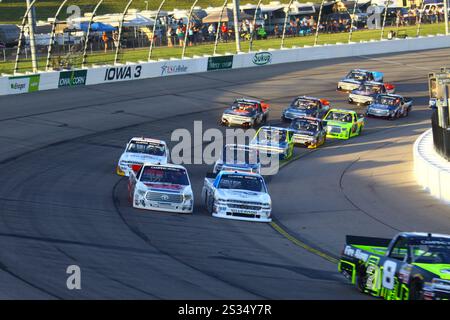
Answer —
268 143
350 81
442 270
381 106
338 123
242 195
143 158
298 112
167 187
362 93
304 133
238 165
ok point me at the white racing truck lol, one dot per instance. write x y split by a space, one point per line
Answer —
140 150
161 188
237 195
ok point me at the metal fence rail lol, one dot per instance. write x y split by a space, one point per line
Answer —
156 42
441 137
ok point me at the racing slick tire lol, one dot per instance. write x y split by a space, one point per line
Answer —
361 279
209 203
416 290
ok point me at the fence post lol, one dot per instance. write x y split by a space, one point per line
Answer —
285 22
420 18
88 31
154 30
250 47
120 30
351 22
316 37
216 42
384 19
188 28
52 36
22 31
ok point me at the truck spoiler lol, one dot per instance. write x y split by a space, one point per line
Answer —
367 241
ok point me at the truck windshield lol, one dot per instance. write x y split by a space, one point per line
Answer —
357 75
242 182
436 254
304 125
339 116
370 88
244 107
164 175
236 154
154 149
305 104
387 100
272 135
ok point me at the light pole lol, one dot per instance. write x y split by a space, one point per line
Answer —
146 5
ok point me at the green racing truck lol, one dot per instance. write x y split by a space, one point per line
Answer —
411 266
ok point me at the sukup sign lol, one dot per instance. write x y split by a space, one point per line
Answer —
262 58
72 78
123 73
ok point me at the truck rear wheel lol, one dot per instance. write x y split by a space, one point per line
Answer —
361 279
416 290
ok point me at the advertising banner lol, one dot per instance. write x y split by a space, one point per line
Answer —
72 78
123 73
175 67
220 63
23 84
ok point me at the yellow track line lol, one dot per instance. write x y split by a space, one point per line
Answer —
301 244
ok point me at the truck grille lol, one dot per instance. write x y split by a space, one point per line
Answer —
164 197
244 206
334 129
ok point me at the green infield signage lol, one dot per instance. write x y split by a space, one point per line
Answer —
220 63
72 78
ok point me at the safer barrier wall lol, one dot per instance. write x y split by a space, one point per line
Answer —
431 170
135 71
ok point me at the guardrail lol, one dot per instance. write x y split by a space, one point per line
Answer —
25 83
431 170
441 137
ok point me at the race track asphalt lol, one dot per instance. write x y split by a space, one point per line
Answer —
61 203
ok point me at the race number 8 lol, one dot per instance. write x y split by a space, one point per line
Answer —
389 268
